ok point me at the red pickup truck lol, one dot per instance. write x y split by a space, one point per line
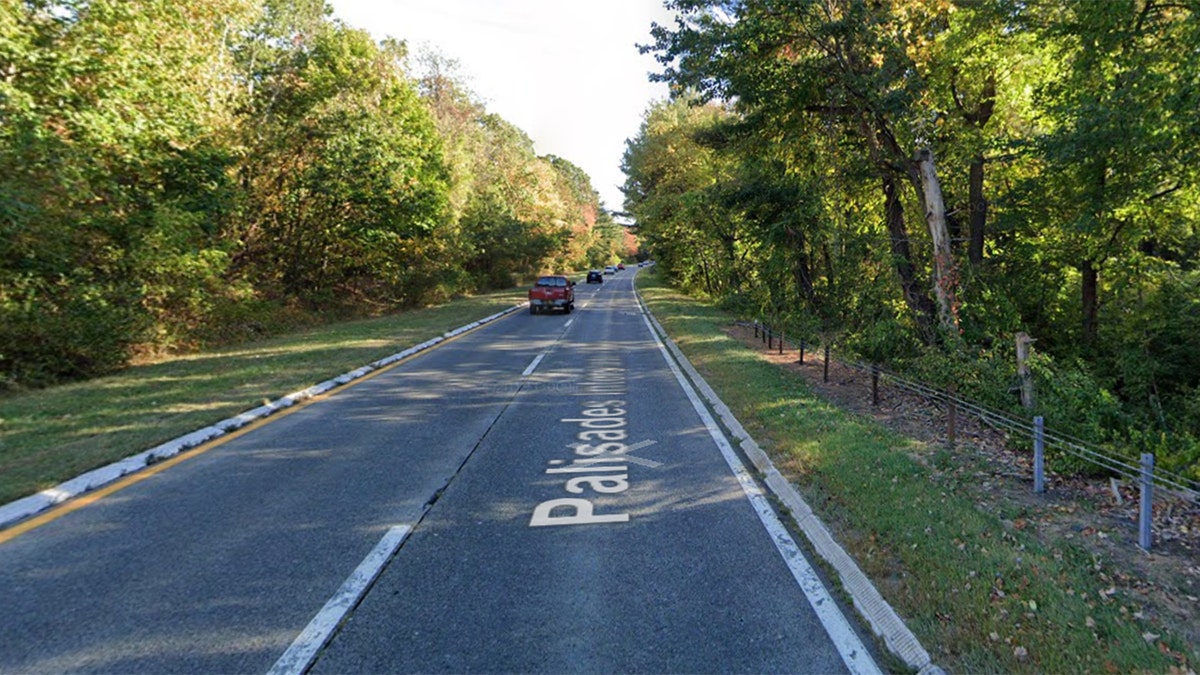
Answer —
552 292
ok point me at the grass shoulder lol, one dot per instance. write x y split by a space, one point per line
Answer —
51 435
981 595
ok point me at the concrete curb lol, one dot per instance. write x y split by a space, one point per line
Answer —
882 618
32 505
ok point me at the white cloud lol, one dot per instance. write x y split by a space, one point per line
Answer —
567 72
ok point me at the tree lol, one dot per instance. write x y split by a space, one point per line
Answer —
345 178
512 212
1117 155
113 151
1065 138
169 169
807 65
671 191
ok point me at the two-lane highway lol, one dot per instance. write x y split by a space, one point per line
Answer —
537 495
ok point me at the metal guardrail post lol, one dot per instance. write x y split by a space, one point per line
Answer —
1146 512
952 416
1039 454
1079 449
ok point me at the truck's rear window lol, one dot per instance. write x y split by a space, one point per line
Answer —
551 281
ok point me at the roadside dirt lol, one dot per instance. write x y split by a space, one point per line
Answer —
1097 514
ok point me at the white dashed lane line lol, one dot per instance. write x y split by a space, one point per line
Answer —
300 656
533 365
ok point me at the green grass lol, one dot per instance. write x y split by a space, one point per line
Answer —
50 435
982 595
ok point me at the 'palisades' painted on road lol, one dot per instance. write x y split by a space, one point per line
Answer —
598 465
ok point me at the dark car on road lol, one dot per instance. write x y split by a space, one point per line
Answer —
595 277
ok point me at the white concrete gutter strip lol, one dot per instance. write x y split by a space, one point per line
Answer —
461 329
882 618
485 320
33 504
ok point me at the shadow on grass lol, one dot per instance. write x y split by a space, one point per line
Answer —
50 435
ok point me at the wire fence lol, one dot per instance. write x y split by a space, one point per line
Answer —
1144 474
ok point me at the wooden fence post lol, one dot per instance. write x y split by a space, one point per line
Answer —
1024 342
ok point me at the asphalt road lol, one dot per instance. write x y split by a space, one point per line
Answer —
538 495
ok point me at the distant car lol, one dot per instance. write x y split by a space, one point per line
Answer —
620 266
595 277
611 269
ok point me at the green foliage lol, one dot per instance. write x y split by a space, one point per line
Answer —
882 342
512 213
111 172
673 188
239 317
176 174
73 328
1064 137
345 175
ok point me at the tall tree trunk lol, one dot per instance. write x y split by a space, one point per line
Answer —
978 117
1089 292
802 269
729 248
708 284
945 272
978 207
919 303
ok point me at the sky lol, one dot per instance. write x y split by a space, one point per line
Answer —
566 72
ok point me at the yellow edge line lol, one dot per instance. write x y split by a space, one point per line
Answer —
89 498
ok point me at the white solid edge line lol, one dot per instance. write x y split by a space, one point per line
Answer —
883 619
303 651
533 365
854 654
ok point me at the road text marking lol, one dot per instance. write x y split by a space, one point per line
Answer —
600 421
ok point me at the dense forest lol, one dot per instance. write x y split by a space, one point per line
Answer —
919 181
180 174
